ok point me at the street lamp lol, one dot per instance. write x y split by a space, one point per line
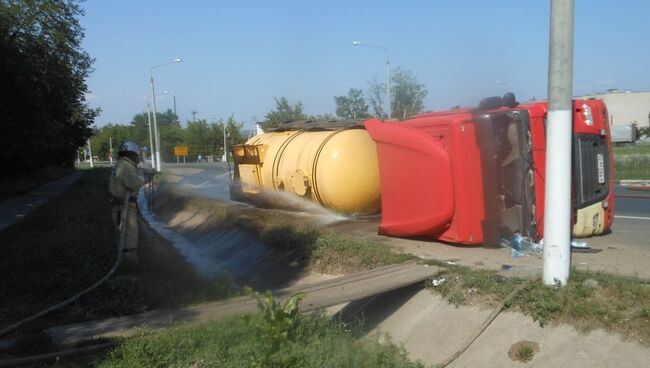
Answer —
155 121
151 147
225 146
358 43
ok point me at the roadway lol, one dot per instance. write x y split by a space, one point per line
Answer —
625 250
632 203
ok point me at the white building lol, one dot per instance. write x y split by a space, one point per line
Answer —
626 107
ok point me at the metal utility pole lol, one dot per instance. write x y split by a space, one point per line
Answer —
151 149
225 152
175 105
155 120
110 144
90 152
557 206
155 125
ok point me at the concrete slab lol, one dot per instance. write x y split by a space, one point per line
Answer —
432 330
319 295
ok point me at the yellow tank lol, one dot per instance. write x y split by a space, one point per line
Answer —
336 169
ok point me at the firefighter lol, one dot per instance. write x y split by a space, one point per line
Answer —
126 177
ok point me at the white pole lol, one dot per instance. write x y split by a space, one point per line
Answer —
155 124
557 206
225 155
90 152
110 143
151 151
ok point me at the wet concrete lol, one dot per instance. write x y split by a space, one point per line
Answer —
193 211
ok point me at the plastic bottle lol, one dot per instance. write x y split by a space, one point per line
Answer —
516 246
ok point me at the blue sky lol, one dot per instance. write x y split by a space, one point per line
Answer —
239 55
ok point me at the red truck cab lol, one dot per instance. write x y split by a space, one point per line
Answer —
474 175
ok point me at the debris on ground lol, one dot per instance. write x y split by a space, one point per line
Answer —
438 282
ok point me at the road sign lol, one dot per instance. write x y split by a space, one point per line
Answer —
180 151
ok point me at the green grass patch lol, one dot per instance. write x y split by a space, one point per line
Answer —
278 336
68 243
632 167
632 162
632 150
334 253
589 300
22 183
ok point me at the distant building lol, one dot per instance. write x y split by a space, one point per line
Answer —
626 106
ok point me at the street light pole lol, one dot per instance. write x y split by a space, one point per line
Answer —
90 152
225 154
155 120
390 107
151 148
557 203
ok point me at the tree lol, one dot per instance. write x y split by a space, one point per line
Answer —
43 84
284 112
110 133
407 94
376 95
352 106
167 124
200 138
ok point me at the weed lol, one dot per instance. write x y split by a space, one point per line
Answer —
456 299
278 336
617 303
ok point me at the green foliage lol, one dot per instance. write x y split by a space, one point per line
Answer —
200 136
335 253
617 303
276 337
281 322
284 112
645 131
114 134
352 106
43 113
407 94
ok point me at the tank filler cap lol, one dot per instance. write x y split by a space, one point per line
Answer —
300 183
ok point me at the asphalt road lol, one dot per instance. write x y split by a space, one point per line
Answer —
632 203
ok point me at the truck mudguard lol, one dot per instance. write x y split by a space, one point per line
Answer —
416 180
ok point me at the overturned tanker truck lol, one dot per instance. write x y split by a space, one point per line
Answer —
465 176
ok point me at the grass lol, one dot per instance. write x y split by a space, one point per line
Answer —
276 337
616 304
632 167
632 162
633 150
22 183
68 243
